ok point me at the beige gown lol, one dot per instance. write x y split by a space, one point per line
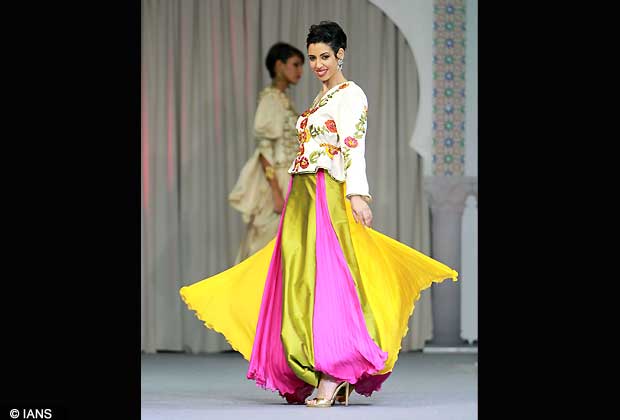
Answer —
276 140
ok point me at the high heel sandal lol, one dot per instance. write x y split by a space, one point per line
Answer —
328 402
340 395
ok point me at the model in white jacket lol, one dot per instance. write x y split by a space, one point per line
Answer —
332 134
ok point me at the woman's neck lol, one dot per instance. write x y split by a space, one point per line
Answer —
280 84
335 80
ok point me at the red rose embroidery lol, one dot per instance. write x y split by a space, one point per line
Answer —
303 123
303 163
331 125
313 110
350 142
343 86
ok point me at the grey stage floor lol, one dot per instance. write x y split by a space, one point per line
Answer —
423 386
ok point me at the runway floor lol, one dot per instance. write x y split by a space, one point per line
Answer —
423 386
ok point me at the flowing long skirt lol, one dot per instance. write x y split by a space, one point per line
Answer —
326 295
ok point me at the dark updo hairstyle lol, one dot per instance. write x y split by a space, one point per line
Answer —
329 33
280 51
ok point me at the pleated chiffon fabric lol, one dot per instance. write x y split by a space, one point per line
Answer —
326 295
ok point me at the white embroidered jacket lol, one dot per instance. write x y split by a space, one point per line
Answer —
331 135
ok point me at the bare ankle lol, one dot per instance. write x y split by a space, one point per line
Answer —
328 377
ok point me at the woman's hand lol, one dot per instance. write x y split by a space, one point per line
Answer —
270 175
361 211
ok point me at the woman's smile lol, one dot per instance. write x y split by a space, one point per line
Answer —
321 72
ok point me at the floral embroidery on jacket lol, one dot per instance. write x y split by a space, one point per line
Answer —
301 161
347 158
303 136
352 141
314 156
331 126
316 130
323 101
360 127
330 149
331 134
309 111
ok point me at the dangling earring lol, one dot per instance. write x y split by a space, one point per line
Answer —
340 64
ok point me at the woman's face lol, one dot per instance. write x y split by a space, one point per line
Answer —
292 69
323 61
